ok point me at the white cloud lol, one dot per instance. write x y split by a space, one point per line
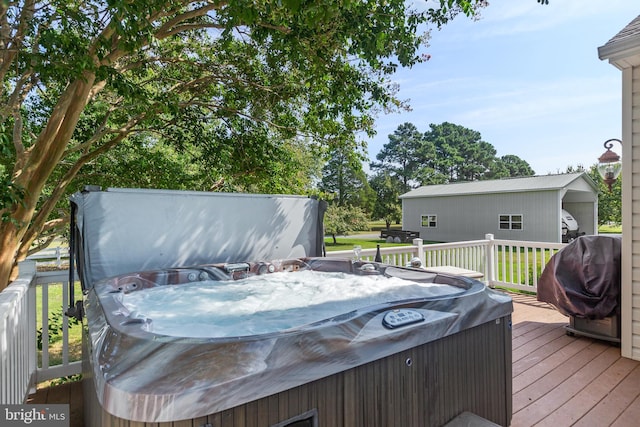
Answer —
512 17
517 103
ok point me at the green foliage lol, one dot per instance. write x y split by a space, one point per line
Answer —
54 329
462 155
403 154
10 193
344 178
610 229
609 201
387 206
67 379
445 153
510 166
236 96
344 220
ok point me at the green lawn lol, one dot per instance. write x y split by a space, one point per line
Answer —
347 243
55 316
527 259
610 228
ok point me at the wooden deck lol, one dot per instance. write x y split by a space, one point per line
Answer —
70 393
558 380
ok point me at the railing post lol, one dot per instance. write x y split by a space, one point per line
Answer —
418 242
28 268
490 266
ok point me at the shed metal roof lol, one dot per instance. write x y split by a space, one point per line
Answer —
524 184
623 44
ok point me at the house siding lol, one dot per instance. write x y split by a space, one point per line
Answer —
456 220
623 51
632 295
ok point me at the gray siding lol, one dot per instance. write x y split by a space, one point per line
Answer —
470 217
585 214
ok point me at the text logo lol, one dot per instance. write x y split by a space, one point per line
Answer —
34 415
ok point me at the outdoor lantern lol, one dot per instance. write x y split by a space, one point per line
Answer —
609 164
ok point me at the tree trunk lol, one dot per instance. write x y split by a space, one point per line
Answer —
37 165
9 245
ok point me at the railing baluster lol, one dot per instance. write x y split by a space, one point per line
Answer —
45 326
519 265
535 263
65 324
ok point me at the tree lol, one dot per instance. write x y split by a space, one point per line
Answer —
609 202
290 167
509 166
461 155
344 220
447 153
401 155
81 77
344 177
387 205
516 166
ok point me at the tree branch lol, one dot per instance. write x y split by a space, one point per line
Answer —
167 29
189 27
14 43
39 219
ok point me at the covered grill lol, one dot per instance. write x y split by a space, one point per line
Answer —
583 282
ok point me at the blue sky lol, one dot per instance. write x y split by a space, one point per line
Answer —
526 76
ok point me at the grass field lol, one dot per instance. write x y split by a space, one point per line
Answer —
610 228
347 243
55 317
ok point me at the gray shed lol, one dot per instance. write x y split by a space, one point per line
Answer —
528 208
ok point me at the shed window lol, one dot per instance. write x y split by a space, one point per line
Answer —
511 222
429 221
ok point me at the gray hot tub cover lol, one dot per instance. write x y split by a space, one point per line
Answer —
583 279
121 230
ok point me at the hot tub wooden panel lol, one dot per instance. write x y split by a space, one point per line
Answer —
427 385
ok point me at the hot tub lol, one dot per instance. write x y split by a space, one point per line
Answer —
264 331
298 342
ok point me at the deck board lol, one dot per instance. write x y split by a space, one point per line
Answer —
558 380
70 393
607 411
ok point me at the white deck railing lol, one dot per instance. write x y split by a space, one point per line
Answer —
46 370
17 339
50 256
22 365
518 265
503 263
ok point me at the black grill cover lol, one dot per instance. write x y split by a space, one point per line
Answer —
583 278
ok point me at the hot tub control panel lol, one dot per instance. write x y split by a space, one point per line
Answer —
401 317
